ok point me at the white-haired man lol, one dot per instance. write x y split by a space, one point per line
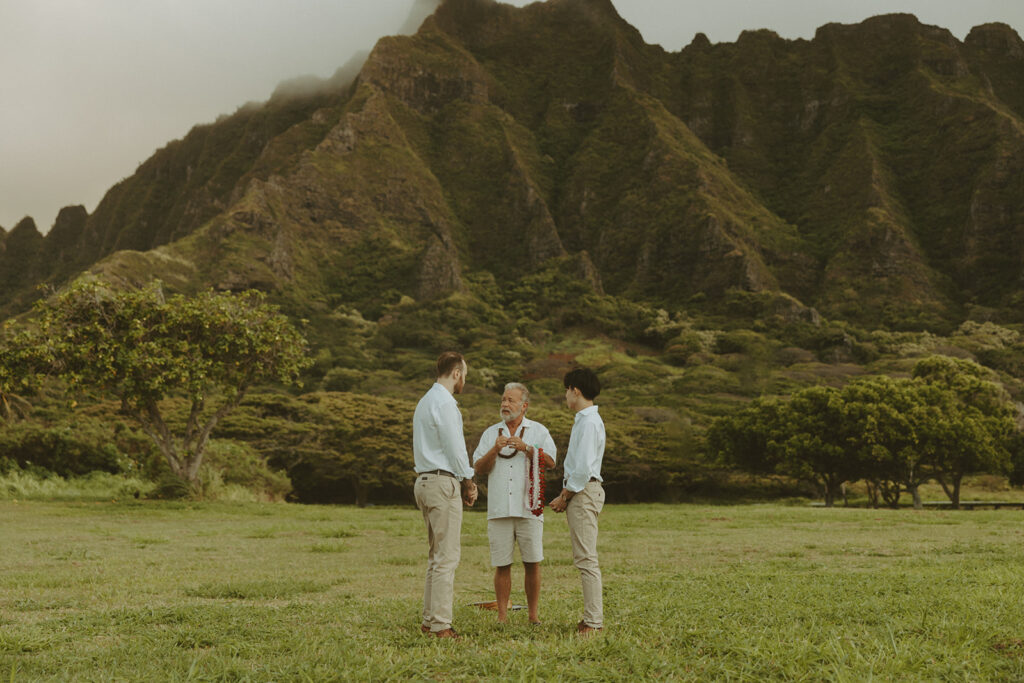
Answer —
514 454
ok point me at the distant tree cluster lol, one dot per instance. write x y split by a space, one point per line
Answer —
946 421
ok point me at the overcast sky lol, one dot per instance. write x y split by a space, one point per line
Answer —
91 88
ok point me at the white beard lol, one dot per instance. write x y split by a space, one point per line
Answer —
509 450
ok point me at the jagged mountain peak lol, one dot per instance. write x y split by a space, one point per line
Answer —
882 28
24 228
700 41
760 35
481 21
869 172
67 229
997 38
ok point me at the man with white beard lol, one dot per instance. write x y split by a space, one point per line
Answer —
514 454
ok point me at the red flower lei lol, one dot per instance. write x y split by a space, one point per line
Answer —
538 478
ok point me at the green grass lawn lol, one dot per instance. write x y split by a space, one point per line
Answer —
174 591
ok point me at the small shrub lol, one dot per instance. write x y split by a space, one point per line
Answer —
791 355
342 379
706 379
235 471
66 450
19 484
990 482
682 347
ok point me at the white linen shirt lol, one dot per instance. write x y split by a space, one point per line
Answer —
585 453
438 442
506 484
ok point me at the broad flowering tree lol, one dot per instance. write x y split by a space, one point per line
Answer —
143 347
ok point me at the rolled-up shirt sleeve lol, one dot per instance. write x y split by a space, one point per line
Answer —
483 446
547 444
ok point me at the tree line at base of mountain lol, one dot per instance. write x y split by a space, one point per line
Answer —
690 402
948 420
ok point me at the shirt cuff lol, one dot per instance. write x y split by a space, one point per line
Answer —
573 484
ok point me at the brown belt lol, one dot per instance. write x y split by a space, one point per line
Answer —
443 473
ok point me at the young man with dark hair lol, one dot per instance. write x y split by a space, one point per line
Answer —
442 464
582 496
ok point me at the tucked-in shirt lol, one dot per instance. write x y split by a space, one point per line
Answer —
506 484
586 450
437 439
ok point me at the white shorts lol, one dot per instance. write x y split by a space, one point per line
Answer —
504 532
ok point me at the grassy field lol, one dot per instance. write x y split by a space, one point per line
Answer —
215 591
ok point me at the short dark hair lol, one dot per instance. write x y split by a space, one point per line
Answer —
585 380
448 361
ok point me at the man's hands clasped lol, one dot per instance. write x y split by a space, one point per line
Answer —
469 492
559 503
514 441
517 443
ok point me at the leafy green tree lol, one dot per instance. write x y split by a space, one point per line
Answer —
814 443
805 438
143 347
20 360
746 438
885 415
365 444
971 426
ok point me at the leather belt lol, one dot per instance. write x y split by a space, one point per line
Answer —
443 473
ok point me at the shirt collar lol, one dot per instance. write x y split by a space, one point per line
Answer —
526 422
589 410
438 387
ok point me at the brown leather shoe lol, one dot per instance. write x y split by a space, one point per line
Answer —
424 628
447 633
584 630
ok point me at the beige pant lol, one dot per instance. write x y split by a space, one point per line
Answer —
439 499
581 514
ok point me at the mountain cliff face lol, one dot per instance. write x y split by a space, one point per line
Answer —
875 172
889 148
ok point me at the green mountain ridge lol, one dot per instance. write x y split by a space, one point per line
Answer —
874 173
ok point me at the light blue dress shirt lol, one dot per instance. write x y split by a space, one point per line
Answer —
585 454
437 439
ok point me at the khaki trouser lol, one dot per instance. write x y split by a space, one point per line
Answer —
581 514
439 499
